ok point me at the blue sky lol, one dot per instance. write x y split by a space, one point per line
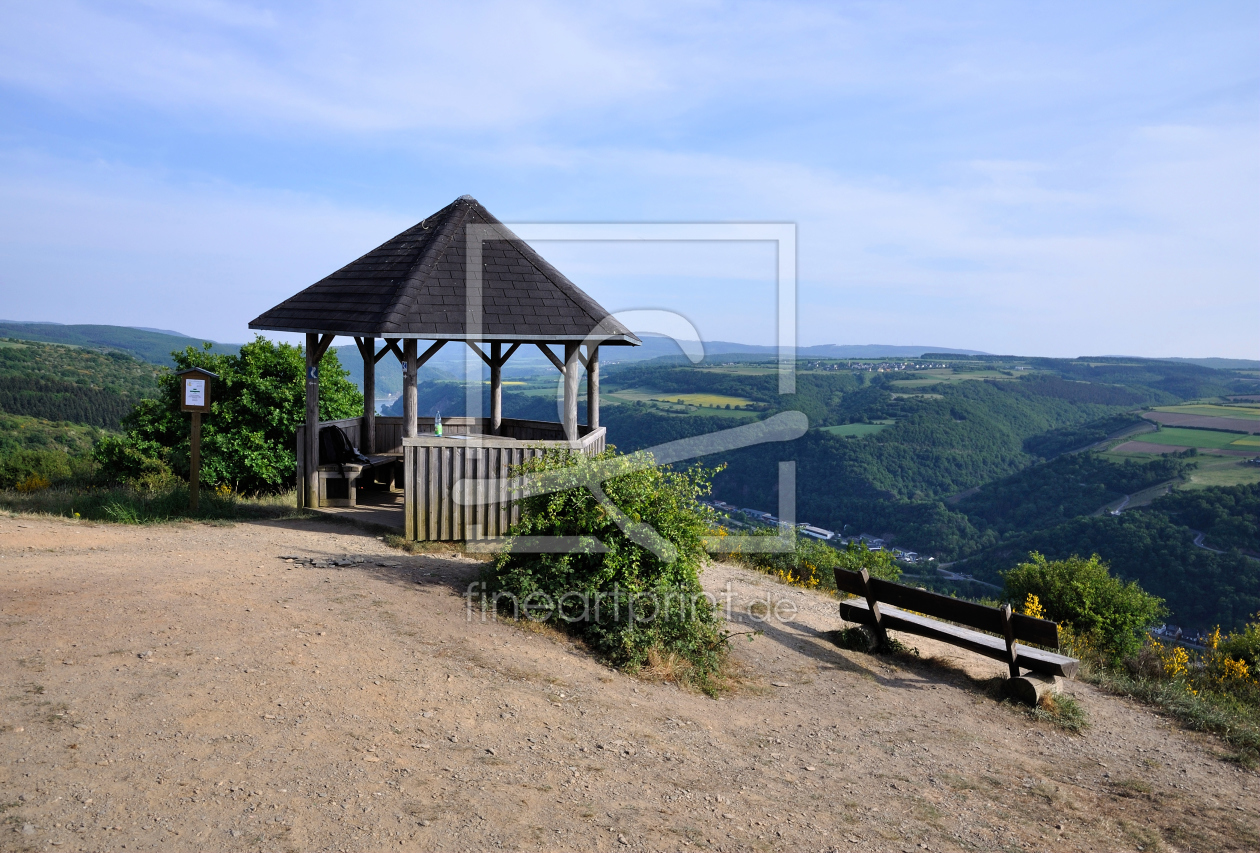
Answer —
1038 178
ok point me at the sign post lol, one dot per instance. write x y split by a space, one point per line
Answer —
194 397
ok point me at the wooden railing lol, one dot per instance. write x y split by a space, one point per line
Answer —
432 466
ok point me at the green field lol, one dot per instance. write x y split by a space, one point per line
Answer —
1221 471
1211 411
698 400
856 430
1202 438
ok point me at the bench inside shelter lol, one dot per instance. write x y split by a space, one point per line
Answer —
994 632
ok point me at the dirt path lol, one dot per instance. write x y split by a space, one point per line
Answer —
184 688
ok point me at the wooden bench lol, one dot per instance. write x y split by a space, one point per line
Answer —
351 472
885 606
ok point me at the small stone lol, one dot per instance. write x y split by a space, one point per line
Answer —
622 839
28 829
809 768
489 750
454 739
779 684
425 823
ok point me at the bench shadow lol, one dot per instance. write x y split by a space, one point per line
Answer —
912 672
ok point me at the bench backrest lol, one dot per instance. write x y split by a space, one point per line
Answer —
1040 632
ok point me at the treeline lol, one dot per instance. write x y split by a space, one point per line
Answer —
1202 588
1050 494
1050 444
64 401
1229 515
1171 381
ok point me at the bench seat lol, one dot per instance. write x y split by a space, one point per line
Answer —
351 472
896 619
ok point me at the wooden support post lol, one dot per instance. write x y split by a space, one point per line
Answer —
194 472
367 436
312 420
881 633
496 387
409 388
1009 630
571 368
592 387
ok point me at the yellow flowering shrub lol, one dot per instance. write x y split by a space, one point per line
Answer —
1033 608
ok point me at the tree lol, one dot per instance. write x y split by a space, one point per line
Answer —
248 439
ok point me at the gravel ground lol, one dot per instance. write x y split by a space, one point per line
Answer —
185 687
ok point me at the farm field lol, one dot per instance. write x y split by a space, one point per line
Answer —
1208 471
698 400
1202 438
1221 471
856 430
1213 411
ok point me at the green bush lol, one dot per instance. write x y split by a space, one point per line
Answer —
812 564
1245 645
130 505
640 601
21 466
247 440
1108 614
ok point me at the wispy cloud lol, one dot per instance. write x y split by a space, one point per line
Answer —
1040 179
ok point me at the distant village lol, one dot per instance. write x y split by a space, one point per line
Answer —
875 366
757 518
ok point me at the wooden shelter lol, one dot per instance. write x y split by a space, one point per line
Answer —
457 276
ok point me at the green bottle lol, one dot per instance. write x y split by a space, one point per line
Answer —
437 424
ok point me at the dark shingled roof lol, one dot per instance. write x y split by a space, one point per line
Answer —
414 286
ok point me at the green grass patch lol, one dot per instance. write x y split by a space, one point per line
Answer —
1225 472
1179 436
123 505
856 430
698 399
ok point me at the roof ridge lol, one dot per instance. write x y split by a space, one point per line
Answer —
562 282
434 249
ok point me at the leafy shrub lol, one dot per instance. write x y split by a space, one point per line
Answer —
1104 613
28 467
1244 645
641 599
812 564
247 440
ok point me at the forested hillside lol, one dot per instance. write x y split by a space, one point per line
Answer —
148 345
62 383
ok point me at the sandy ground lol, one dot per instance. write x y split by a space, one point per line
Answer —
185 688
